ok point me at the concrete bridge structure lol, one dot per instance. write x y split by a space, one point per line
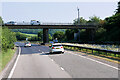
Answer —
89 27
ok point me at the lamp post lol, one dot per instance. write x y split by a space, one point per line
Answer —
78 24
78 16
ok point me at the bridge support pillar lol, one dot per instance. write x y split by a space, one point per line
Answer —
92 35
45 35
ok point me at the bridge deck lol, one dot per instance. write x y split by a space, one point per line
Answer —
51 26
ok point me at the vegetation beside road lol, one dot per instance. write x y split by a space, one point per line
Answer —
7 39
6 56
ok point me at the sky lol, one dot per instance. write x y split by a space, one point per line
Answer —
63 11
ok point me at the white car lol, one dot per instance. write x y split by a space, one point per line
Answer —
11 23
34 22
27 44
56 47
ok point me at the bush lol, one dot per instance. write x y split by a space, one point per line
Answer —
8 39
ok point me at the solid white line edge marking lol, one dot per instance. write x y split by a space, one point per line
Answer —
11 72
97 61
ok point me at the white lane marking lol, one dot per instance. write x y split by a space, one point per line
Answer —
62 68
13 69
97 61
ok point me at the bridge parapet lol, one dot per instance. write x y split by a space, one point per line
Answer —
51 23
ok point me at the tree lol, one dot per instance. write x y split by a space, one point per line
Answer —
82 21
112 27
40 34
8 39
50 37
59 35
94 20
118 10
69 34
1 21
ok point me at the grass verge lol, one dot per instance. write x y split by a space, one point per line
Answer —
5 57
29 34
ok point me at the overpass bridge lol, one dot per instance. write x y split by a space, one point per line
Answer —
89 27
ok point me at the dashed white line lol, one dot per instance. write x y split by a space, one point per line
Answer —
13 69
97 61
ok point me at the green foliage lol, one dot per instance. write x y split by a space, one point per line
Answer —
112 27
85 34
94 19
8 39
1 21
36 31
118 10
27 31
113 21
50 37
100 34
20 36
59 35
33 38
52 31
40 34
82 21
69 34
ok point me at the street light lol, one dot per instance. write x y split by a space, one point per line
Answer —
78 15
78 24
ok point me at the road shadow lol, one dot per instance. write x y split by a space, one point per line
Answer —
56 53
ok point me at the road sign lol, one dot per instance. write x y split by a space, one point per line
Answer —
26 39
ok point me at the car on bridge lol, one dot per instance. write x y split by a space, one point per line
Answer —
34 22
11 23
56 47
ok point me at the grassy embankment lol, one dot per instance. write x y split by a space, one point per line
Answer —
5 57
29 34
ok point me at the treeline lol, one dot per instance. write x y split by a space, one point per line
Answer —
7 38
38 37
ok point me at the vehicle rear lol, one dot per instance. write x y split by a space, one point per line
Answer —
27 44
56 48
